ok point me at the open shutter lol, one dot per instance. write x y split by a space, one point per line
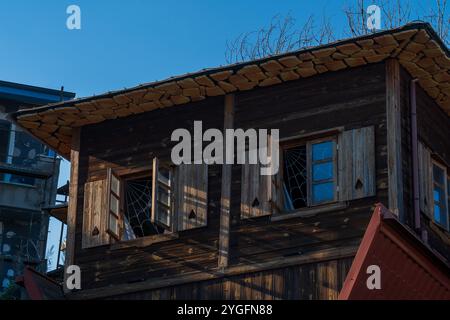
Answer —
356 164
256 192
261 195
114 206
95 217
425 179
161 195
191 196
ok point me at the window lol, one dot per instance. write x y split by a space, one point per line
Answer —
138 209
323 172
4 139
309 176
134 205
141 203
440 195
114 205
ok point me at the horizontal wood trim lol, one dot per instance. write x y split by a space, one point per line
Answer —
150 284
144 241
316 135
309 212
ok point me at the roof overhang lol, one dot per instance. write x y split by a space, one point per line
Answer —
409 269
417 47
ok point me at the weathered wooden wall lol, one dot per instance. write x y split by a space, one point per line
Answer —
433 130
319 281
351 99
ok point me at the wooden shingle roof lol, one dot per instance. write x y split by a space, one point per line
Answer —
416 45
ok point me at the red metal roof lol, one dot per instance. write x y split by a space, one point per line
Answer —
39 286
409 269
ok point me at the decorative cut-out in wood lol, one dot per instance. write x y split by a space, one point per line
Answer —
255 203
95 232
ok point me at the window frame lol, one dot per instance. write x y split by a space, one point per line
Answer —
309 141
445 188
119 197
310 164
157 165
169 233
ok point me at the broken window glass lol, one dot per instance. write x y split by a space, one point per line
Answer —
138 208
295 178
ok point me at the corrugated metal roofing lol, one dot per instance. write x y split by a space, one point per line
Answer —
409 269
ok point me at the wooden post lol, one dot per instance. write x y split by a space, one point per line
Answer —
394 138
73 195
224 233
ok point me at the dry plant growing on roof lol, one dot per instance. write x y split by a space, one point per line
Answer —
283 34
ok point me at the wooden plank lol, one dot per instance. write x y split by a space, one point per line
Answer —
73 202
192 196
255 188
394 139
356 164
191 277
95 215
225 200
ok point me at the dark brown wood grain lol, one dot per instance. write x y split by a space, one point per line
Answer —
350 99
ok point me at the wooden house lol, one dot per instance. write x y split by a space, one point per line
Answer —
361 122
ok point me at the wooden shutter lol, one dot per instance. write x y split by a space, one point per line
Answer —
95 217
356 164
256 191
114 205
425 179
191 208
161 195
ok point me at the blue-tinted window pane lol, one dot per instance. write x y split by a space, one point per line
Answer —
323 192
438 175
436 195
323 150
323 171
437 213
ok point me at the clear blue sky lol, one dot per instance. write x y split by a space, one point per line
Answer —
125 43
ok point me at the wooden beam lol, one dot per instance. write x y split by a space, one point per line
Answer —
73 206
224 233
394 138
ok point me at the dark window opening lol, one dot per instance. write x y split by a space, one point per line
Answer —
309 176
4 139
138 209
295 178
